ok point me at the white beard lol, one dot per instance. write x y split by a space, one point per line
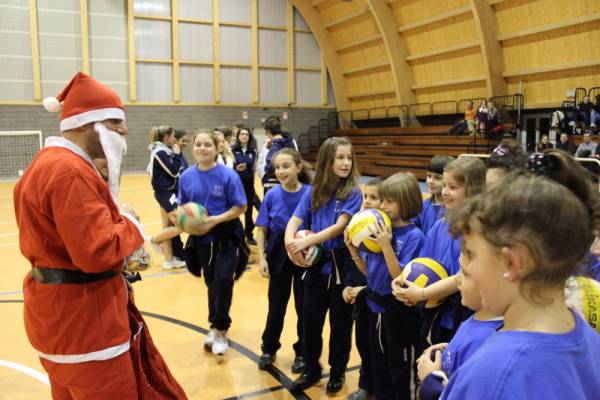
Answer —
115 147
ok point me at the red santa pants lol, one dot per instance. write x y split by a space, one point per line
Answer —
93 380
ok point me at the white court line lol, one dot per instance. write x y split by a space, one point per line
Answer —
16 233
27 371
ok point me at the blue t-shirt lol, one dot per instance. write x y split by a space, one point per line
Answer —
326 216
278 207
406 242
217 189
429 215
469 337
445 249
531 365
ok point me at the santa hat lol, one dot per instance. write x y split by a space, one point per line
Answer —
85 100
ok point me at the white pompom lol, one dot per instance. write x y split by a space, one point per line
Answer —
51 104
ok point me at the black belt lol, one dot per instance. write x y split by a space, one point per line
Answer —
62 276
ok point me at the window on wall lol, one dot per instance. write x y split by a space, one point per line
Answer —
16 72
109 62
183 51
59 31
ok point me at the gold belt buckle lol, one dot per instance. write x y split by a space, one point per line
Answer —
37 274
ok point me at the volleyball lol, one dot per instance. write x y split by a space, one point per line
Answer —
313 253
582 294
423 272
358 229
190 215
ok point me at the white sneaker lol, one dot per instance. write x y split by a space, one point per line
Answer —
180 262
209 340
155 246
174 263
221 345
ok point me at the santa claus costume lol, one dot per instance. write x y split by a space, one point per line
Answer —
79 312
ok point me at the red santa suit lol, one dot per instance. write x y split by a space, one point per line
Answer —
89 336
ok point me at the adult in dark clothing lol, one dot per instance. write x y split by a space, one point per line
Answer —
181 140
565 144
279 140
244 151
584 111
544 144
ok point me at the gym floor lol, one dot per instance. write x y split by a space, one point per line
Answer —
174 304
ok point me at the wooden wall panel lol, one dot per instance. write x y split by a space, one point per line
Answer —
377 81
552 48
374 102
516 15
367 56
465 91
549 89
445 33
358 29
443 70
413 11
340 9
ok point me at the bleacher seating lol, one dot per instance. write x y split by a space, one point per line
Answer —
385 151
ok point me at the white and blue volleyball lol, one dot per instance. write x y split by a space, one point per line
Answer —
358 229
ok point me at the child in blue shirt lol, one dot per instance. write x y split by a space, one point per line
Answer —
394 329
435 367
356 295
214 246
544 350
326 209
463 178
275 212
433 207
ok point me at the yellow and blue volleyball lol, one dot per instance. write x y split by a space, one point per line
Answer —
423 272
358 229
191 215
582 294
313 253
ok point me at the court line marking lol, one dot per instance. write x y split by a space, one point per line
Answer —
40 376
243 350
276 388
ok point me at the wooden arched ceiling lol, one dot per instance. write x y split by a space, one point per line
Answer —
396 50
331 57
491 50
458 49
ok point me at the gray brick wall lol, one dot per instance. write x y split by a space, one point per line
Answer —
141 118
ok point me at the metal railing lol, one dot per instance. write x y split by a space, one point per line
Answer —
444 107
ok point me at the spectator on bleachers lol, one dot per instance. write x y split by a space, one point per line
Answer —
587 147
565 144
493 116
584 112
544 144
482 116
470 114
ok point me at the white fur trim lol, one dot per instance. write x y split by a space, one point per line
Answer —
91 116
100 355
51 104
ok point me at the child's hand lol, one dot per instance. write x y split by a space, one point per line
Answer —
407 292
296 245
203 228
353 249
382 235
263 267
424 364
347 295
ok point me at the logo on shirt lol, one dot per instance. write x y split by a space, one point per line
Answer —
217 190
338 207
398 247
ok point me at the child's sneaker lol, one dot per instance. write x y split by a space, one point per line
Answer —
180 263
221 345
209 340
173 264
